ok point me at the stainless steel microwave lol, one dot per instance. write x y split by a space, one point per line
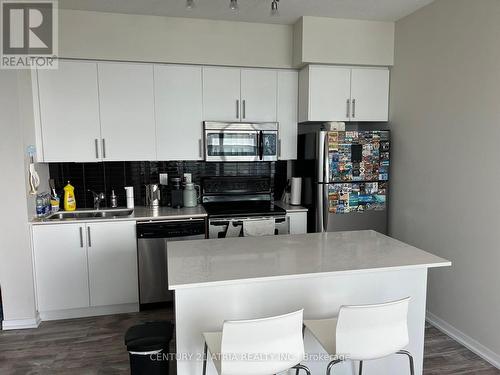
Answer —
239 141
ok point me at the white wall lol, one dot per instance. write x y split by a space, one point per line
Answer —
111 36
340 41
16 276
445 125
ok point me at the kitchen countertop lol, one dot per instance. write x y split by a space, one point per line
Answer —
228 261
290 208
140 213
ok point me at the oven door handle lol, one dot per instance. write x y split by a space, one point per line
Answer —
261 145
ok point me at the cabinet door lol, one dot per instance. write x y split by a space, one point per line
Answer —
178 107
298 222
258 95
60 266
221 94
287 113
370 94
329 92
112 249
69 112
127 111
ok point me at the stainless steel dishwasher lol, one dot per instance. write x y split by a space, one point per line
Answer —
152 243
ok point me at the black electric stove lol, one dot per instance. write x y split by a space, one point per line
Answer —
239 197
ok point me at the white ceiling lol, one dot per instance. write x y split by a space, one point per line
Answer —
256 10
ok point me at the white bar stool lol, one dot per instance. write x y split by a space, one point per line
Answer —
257 347
364 332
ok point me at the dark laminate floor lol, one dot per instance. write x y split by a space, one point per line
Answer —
444 356
95 346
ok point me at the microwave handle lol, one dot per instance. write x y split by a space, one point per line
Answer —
261 145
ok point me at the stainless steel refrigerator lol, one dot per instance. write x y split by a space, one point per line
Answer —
345 179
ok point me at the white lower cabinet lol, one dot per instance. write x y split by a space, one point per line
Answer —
297 222
112 259
60 267
84 266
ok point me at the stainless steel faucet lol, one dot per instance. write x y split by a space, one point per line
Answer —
98 198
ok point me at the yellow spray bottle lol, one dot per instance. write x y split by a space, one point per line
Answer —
69 198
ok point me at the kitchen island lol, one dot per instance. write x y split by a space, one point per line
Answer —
253 277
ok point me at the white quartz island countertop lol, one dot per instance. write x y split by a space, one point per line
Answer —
193 264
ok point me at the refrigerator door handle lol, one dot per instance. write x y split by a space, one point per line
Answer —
320 204
326 158
322 145
261 145
326 206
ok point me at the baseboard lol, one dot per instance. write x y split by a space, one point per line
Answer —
21 323
471 344
89 311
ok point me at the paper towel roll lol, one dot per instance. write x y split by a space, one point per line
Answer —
296 191
129 192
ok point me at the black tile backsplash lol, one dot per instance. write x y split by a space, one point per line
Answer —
107 176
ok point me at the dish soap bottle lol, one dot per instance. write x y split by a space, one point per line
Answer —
114 199
69 198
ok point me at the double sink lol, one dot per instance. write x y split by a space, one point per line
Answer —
90 214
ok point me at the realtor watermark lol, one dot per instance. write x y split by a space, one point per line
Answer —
29 34
246 357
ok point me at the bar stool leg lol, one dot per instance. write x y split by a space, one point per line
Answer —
410 358
331 364
298 369
205 352
301 367
360 367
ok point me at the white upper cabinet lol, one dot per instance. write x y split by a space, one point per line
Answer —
258 95
115 111
324 93
112 260
126 98
287 113
370 94
331 93
69 112
179 112
60 257
239 95
221 94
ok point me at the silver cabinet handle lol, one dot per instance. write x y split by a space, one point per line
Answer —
88 237
237 108
103 148
354 108
279 147
348 108
81 237
200 146
244 108
96 143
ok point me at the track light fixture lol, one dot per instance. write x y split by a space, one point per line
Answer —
274 8
233 5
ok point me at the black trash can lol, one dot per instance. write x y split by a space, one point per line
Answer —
148 345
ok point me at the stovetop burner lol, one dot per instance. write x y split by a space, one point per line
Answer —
242 208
